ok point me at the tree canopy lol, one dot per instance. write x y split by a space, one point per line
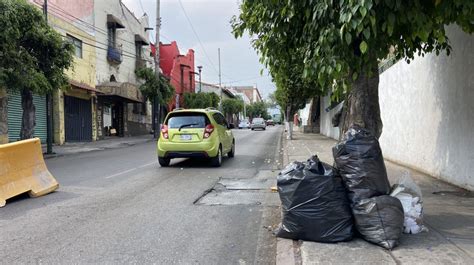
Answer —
33 56
338 43
232 106
154 87
257 109
201 100
338 40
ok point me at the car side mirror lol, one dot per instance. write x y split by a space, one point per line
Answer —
230 126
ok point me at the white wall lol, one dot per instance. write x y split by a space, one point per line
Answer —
428 113
125 71
326 127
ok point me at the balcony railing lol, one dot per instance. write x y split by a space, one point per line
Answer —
114 55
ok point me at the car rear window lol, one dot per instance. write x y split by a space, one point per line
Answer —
258 120
188 119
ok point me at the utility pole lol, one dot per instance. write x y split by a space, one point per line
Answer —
220 84
200 83
49 102
156 106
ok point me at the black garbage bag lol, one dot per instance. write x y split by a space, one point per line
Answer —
360 163
379 220
314 203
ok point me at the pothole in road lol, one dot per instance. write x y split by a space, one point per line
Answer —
232 191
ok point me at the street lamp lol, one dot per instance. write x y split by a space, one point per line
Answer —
200 83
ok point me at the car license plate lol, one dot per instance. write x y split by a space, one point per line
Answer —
186 137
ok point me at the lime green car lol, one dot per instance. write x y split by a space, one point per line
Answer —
195 133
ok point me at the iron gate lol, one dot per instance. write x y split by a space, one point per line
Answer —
78 119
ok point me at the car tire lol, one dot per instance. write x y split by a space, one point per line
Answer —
164 162
232 150
252 129
217 160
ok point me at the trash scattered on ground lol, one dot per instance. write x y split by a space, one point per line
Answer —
359 161
314 203
379 220
411 199
274 189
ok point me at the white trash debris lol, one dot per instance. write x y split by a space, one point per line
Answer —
409 195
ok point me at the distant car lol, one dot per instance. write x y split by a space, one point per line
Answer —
244 124
270 123
195 133
258 123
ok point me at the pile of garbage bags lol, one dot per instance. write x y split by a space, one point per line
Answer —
325 204
314 203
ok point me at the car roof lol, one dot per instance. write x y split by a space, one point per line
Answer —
208 110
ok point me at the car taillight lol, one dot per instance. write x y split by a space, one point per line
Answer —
208 130
164 131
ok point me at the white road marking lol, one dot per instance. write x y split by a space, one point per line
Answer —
129 170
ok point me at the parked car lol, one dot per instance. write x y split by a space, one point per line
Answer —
270 123
258 123
244 124
195 133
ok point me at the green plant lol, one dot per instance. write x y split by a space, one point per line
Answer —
33 57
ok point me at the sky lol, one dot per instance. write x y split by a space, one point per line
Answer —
211 21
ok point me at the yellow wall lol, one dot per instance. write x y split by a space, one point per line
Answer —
83 71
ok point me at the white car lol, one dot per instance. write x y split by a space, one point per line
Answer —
244 124
258 123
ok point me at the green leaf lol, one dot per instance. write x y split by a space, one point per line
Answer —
367 33
363 11
372 20
348 38
338 67
354 76
363 46
391 19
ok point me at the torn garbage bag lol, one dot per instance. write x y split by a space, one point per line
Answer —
314 203
379 220
359 161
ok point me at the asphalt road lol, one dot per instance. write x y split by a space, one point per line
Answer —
120 206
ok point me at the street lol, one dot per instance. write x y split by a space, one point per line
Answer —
120 206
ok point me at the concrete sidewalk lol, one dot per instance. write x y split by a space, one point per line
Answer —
109 143
448 214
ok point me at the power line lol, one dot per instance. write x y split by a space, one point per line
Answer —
197 36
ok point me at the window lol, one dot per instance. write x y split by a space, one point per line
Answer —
220 119
77 45
188 119
112 37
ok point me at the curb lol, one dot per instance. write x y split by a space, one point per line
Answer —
287 253
97 149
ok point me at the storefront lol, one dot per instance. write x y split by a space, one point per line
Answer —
113 108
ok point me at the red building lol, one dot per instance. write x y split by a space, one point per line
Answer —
179 69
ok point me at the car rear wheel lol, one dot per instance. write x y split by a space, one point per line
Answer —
232 150
164 162
217 160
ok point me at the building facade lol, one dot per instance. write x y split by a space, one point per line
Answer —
251 92
179 69
123 48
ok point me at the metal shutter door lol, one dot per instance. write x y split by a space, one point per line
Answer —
15 113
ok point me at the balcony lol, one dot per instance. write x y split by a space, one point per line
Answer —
114 55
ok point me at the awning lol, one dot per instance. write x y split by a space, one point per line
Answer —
114 21
80 85
116 91
140 39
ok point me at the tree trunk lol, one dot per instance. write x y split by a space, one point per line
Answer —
3 116
361 106
289 123
28 122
